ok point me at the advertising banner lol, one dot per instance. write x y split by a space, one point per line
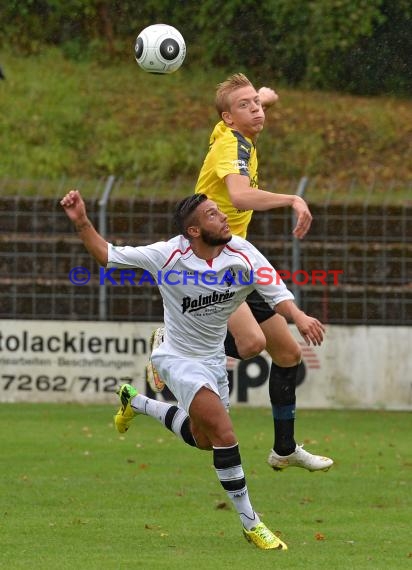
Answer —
356 367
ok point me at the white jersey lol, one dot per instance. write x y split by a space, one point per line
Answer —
200 295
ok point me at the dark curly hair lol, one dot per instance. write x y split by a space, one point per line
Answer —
183 212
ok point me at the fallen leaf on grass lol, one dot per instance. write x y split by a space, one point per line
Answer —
308 441
305 500
319 536
79 521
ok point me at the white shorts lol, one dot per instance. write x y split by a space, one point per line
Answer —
186 376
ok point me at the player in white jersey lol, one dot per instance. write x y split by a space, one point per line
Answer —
229 177
203 275
201 295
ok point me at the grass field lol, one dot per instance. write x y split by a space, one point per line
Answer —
77 495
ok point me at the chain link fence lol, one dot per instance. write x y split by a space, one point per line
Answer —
354 266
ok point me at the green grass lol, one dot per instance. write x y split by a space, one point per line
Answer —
75 494
67 123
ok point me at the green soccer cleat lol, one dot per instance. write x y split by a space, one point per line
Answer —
264 538
125 413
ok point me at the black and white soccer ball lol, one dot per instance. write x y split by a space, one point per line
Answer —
160 48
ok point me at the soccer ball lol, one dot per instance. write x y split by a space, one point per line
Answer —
160 49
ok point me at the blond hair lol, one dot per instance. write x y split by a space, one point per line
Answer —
226 88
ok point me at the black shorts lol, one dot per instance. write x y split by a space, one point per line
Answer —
260 309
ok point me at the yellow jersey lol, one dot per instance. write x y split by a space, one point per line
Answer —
229 153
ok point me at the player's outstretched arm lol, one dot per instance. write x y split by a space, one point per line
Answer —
75 209
244 197
310 328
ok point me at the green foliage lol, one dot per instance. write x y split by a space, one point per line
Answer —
358 46
336 27
75 494
381 63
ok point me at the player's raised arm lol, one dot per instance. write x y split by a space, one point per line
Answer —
244 197
75 209
268 96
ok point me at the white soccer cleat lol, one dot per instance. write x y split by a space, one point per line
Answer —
152 375
299 458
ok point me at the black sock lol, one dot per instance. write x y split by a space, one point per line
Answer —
282 392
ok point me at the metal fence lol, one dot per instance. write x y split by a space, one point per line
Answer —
354 267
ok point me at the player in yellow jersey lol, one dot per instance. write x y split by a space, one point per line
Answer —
229 177
229 153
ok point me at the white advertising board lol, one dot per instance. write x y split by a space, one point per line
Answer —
357 367
60 361
81 361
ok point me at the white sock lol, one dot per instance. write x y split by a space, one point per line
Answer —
229 470
150 407
171 416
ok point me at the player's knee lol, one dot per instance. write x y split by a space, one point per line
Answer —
288 358
251 345
224 438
